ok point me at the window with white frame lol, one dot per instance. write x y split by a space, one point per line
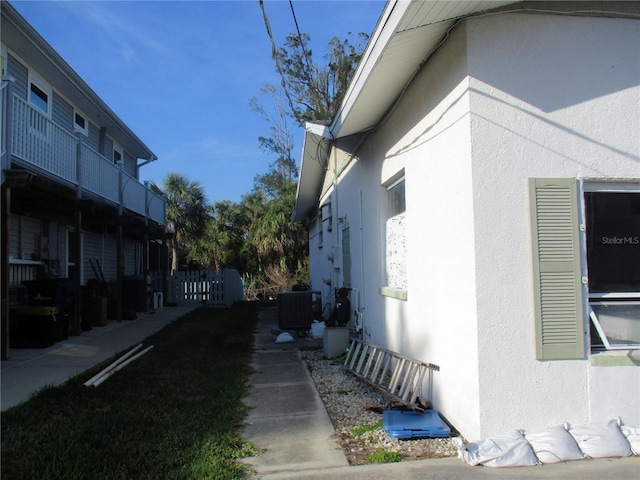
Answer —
40 95
613 262
80 123
118 153
40 98
395 241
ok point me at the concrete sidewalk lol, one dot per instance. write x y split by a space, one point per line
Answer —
455 469
287 421
289 425
28 370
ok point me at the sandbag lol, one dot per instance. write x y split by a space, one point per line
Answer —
284 337
632 434
317 329
601 440
506 450
554 445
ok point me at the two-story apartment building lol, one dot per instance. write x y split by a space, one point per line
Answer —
73 208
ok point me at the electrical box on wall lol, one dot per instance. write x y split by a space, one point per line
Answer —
337 256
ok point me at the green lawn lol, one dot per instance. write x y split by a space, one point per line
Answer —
174 413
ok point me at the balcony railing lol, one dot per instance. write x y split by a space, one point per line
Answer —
98 175
38 141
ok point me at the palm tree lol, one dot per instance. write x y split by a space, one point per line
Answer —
223 242
186 212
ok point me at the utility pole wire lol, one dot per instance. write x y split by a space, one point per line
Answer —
304 50
274 54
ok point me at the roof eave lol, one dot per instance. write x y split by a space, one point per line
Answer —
404 37
383 33
68 82
316 146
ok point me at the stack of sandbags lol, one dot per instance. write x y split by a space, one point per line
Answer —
558 443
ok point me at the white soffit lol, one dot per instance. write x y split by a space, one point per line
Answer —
315 152
407 33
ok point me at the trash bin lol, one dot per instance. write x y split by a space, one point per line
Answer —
97 311
59 292
34 326
134 293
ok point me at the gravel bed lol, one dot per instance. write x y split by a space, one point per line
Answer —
345 397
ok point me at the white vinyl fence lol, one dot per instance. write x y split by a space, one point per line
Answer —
216 288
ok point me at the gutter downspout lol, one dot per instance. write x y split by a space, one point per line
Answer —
361 312
336 236
148 161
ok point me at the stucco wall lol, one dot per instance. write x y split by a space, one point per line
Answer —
441 320
507 97
437 323
551 96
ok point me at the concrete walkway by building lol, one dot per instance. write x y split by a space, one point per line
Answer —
289 425
28 370
287 420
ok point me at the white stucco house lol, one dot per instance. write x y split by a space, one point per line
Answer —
479 192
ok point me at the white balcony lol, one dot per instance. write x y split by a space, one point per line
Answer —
33 140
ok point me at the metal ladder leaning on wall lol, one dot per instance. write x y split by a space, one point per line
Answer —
399 376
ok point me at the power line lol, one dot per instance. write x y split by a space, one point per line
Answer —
302 46
274 55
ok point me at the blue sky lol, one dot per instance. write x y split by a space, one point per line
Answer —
181 73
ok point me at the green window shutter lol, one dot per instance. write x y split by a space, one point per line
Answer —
556 260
